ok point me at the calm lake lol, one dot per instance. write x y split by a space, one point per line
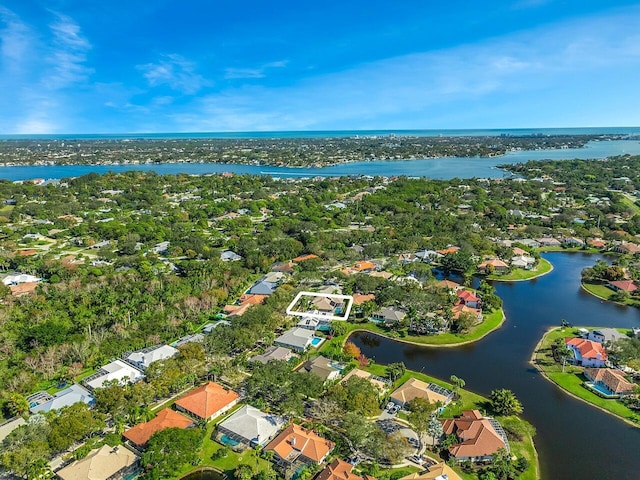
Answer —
574 440
438 168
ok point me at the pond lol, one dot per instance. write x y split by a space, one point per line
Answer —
574 439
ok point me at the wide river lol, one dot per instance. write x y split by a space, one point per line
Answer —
438 168
574 440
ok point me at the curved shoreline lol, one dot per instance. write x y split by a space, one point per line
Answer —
533 362
526 279
604 299
430 345
204 469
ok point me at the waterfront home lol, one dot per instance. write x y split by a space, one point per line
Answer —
439 471
389 315
479 438
523 261
117 370
627 248
549 242
498 265
428 256
298 445
105 463
623 286
141 359
612 381
249 427
459 309
414 388
597 243
166 418
42 402
586 353
605 335
208 401
449 285
340 470
273 353
573 242
531 243
468 298
321 366
297 339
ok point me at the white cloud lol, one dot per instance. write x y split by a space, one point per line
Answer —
176 72
15 39
259 72
68 54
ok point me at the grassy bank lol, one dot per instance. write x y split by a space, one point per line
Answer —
518 274
603 292
572 379
491 322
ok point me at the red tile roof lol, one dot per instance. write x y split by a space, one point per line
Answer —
587 348
166 418
613 379
359 298
476 435
340 470
296 440
304 258
466 296
207 400
625 285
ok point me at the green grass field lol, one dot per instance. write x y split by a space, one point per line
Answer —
602 291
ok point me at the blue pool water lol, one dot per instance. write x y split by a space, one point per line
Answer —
316 341
229 441
600 388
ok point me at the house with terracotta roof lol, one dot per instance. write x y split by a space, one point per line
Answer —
479 438
105 463
439 471
449 285
468 298
586 353
597 243
296 444
448 250
459 309
304 258
379 383
610 379
363 267
414 388
340 470
166 418
208 401
623 286
498 265
359 298
628 248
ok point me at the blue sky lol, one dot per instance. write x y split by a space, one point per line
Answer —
83 66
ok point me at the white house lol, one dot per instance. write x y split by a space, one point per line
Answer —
116 370
143 358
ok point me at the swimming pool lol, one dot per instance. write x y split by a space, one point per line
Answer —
603 391
229 441
315 341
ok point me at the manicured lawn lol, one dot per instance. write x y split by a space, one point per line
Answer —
572 379
519 274
602 291
630 203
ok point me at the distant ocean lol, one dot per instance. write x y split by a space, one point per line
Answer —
337 133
